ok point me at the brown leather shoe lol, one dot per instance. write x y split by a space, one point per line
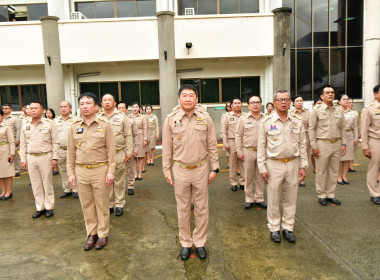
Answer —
101 243
90 243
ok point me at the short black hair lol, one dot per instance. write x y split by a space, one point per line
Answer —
376 89
295 97
317 99
187 86
6 104
38 102
122 102
249 97
341 96
89 95
25 104
225 107
325 86
238 98
51 111
269 103
148 105
113 97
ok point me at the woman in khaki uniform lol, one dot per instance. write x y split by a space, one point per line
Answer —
7 154
228 109
356 113
154 133
141 138
352 140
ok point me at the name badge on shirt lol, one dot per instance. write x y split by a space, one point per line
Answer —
178 123
80 130
98 129
232 119
28 127
273 127
249 122
200 121
377 112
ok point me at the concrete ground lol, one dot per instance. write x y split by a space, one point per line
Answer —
333 242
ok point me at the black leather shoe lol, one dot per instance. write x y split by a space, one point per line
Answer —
201 252
351 170
248 205
376 200
234 188
345 182
49 213
17 174
262 204
131 192
66 194
119 211
340 182
7 197
289 235
275 236
111 210
302 185
75 195
242 187
334 200
38 214
185 253
55 173
323 201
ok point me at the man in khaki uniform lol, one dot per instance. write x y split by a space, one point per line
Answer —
282 161
15 124
63 124
247 134
188 139
91 161
327 132
370 130
39 154
228 135
124 150
130 165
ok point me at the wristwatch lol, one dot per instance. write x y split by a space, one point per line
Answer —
216 170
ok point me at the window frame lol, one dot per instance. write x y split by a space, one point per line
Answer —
20 101
179 13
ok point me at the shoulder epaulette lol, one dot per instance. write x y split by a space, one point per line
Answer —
295 115
102 118
317 106
369 105
291 110
266 118
242 114
49 120
171 114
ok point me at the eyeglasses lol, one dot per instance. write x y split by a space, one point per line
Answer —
280 100
255 102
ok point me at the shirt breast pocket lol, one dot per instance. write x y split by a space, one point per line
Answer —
78 139
274 137
200 132
295 134
178 134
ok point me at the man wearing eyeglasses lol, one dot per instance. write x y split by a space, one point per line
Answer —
282 160
327 132
246 137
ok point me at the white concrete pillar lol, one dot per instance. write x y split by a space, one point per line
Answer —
371 51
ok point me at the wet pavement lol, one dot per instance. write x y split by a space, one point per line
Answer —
333 242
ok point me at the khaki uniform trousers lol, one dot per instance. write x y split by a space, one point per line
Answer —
283 181
233 164
327 168
117 191
190 183
41 177
252 170
94 198
373 167
130 173
62 167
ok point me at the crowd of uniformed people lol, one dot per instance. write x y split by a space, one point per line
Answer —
93 153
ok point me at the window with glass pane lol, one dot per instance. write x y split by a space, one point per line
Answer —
249 87
17 12
354 23
30 93
126 8
196 83
90 87
337 22
150 93
293 73
230 89
3 13
182 4
229 6
249 6
130 92
304 69
209 91
9 95
104 9
146 8
337 72
43 96
354 72
290 4
111 88
208 7
87 9
303 24
321 23
321 70
36 11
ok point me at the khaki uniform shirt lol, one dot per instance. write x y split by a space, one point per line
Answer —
63 127
153 124
91 144
370 125
6 136
326 123
229 126
305 115
15 124
38 138
188 140
247 132
281 140
133 127
351 122
121 131
140 124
